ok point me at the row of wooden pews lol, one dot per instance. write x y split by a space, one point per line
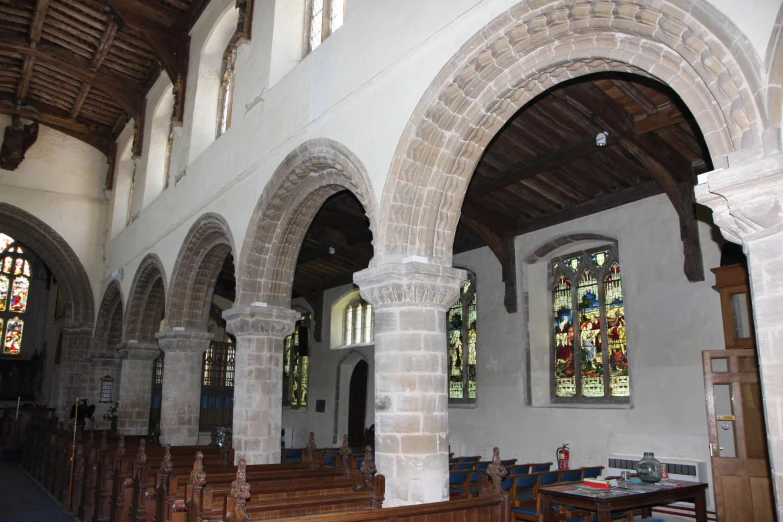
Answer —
131 479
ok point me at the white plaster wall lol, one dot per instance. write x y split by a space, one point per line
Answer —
298 423
669 322
359 88
61 183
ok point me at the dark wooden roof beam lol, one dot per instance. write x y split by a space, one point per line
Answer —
668 167
103 47
664 117
541 164
124 90
635 95
150 11
503 248
58 120
77 105
39 15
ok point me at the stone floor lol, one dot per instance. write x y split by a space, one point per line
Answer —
21 498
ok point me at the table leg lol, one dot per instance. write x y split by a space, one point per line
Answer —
547 508
700 503
604 513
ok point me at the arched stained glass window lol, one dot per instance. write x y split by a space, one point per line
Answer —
359 323
589 358
15 276
296 364
462 350
226 88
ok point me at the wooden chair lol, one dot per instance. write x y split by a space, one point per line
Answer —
463 460
543 466
467 466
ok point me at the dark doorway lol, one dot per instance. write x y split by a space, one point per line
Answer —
357 404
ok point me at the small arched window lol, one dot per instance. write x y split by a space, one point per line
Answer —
324 17
359 323
590 357
463 355
296 364
226 88
15 277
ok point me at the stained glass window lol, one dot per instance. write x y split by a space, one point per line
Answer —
326 16
12 342
589 359
461 338
226 88
296 364
359 323
15 276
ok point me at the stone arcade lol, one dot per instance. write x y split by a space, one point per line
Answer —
296 216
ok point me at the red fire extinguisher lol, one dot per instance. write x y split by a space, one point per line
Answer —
562 456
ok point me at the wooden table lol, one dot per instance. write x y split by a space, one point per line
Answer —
634 496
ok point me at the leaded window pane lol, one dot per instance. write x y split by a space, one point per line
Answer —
316 23
590 359
461 334
12 343
336 15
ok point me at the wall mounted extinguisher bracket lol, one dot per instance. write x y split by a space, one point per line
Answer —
563 456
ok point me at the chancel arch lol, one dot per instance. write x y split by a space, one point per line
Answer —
51 248
314 172
534 47
143 320
105 362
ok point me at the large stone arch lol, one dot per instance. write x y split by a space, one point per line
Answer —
310 174
534 46
53 250
196 270
146 301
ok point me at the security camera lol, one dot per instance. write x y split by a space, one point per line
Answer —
600 139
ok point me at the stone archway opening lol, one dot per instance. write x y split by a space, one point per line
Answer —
293 250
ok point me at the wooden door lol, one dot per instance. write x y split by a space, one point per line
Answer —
738 444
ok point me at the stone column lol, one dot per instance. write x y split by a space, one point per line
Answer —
746 201
181 404
74 365
411 366
136 387
258 379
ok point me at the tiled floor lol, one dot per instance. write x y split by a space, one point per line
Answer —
21 500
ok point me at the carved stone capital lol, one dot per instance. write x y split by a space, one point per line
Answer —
746 199
265 321
184 341
134 351
414 283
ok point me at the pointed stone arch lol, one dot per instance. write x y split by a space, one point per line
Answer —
535 45
774 68
196 270
310 174
146 301
58 255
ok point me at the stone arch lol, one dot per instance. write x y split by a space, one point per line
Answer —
344 371
146 301
775 83
534 46
310 174
108 327
545 249
55 252
196 270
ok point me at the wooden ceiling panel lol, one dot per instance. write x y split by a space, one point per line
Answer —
96 55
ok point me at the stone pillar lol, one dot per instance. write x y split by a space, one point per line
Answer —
136 387
258 379
181 403
74 365
411 366
746 201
